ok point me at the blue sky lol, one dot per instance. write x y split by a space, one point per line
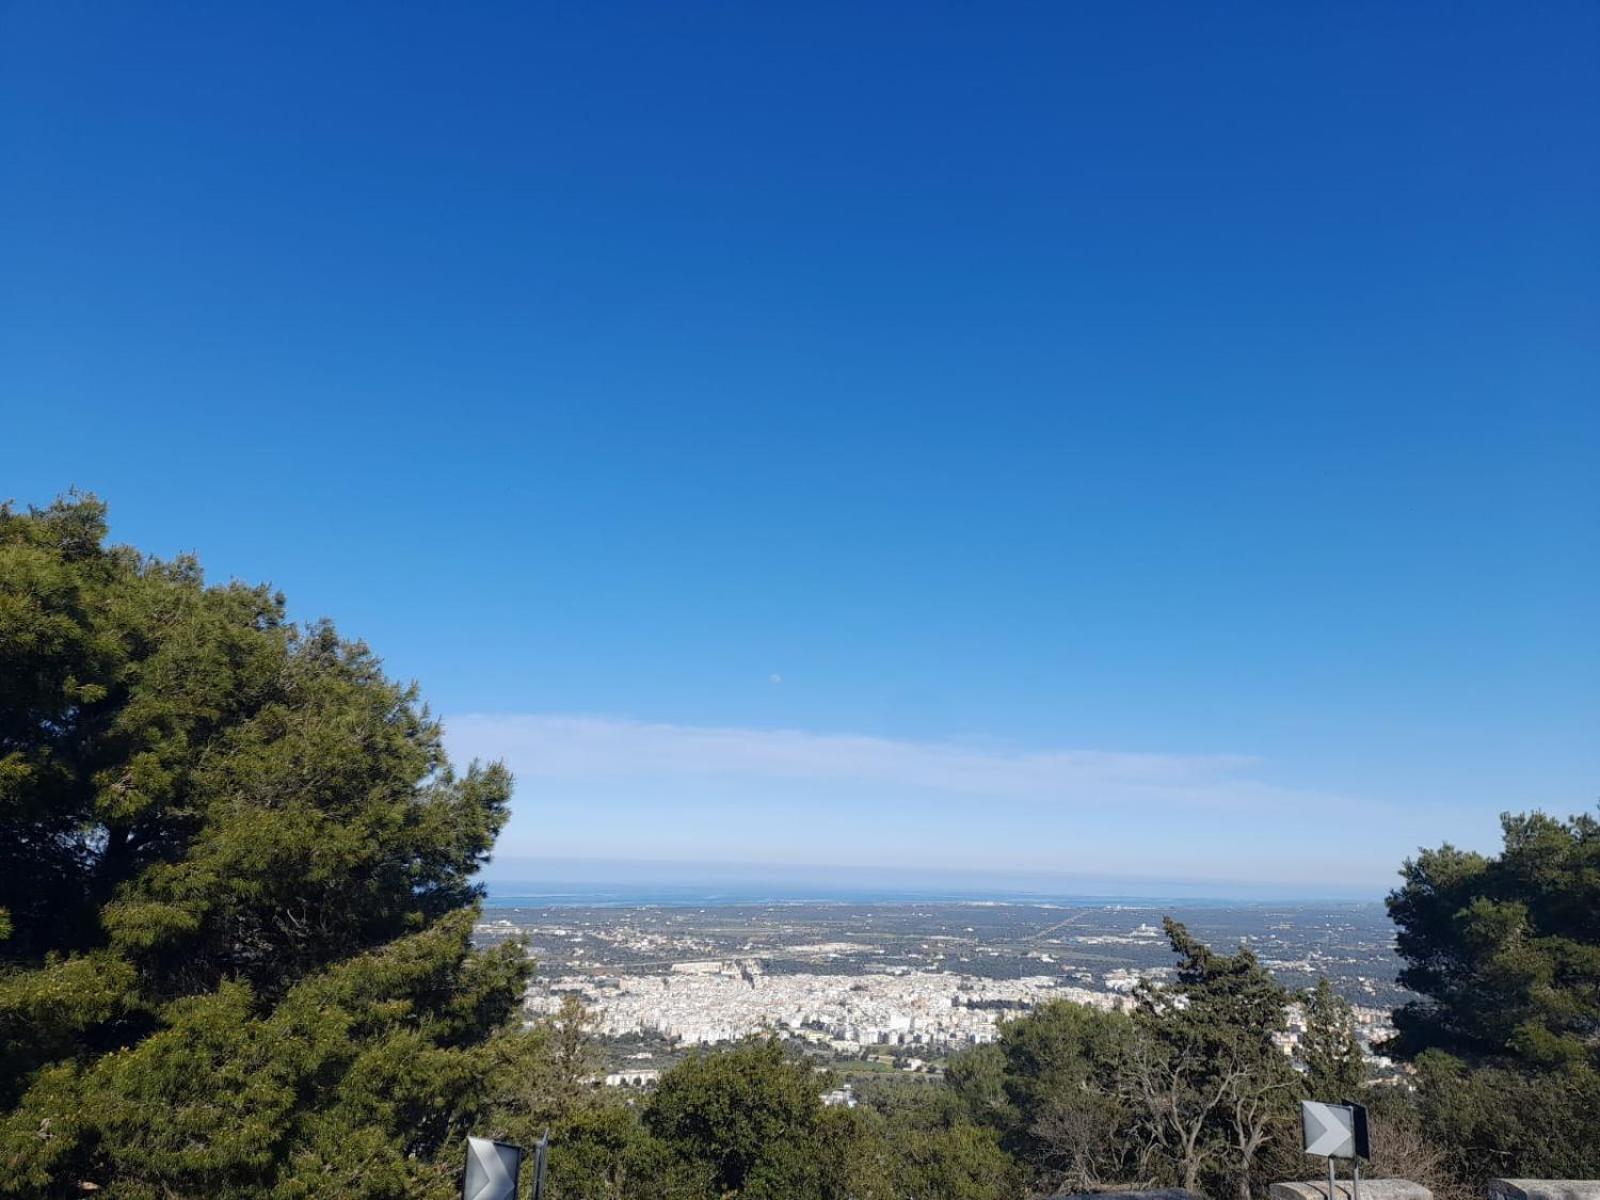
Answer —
1156 440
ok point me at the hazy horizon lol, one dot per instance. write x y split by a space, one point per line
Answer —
594 789
534 874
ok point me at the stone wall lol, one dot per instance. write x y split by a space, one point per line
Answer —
1544 1189
1404 1189
1371 1189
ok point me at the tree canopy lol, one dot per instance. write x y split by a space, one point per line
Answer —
1334 1066
743 1111
1504 953
235 867
1505 950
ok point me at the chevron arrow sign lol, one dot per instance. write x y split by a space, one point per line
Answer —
492 1169
1329 1129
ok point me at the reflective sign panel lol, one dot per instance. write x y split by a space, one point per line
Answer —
1329 1129
492 1169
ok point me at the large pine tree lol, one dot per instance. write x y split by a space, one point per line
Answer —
235 892
1505 950
1504 954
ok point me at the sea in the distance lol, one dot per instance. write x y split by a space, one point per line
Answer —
523 882
565 894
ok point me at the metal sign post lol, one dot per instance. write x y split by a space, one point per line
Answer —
539 1153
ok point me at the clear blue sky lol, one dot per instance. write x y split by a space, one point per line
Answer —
1153 438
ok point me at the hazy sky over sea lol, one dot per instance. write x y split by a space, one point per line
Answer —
1100 439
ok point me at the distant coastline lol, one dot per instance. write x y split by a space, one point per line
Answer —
611 894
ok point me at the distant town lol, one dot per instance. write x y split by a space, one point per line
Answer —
886 986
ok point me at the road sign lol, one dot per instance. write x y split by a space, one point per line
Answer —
1334 1130
492 1170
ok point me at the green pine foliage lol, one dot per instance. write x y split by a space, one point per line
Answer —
1508 1122
236 868
1188 1089
1062 1077
742 1111
1335 1070
1217 1091
1504 952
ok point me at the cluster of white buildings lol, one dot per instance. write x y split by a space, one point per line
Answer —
1373 1025
706 1002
